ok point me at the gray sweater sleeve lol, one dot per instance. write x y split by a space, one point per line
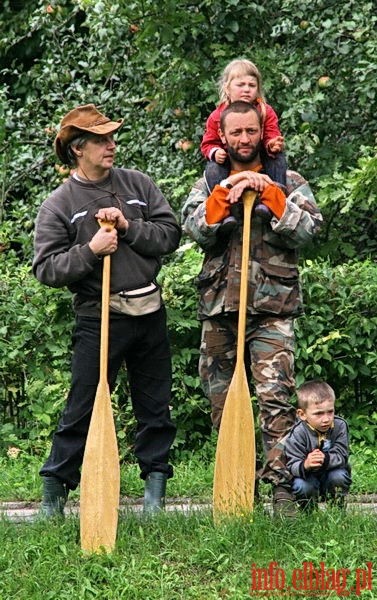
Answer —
159 233
339 450
296 451
56 262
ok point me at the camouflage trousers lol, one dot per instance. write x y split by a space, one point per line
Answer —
269 360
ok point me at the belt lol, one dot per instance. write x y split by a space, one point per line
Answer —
148 289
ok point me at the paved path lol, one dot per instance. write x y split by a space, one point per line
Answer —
27 511
19 512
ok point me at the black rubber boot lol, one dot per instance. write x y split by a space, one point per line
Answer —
154 493
55 494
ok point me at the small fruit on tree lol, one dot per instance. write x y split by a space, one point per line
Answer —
62 170
185 145
324 82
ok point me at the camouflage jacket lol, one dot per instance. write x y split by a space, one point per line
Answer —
274 286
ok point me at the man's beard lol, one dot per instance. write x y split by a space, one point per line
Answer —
244 158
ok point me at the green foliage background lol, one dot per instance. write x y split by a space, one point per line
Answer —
157 65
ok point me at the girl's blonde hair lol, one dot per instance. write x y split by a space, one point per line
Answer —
239 68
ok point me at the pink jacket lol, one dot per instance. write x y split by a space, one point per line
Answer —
211 140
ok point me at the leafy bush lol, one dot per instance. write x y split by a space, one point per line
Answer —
337 339
347 200
191 411
34 353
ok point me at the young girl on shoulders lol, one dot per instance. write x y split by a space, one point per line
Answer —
241 80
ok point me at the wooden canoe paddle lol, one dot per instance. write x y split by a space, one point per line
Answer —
100 476
234 477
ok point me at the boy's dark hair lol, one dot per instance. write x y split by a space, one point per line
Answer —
239 106
314 391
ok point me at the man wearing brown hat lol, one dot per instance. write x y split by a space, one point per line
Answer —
69 246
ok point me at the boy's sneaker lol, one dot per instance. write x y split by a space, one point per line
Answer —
283 502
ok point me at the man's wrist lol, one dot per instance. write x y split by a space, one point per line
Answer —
123 228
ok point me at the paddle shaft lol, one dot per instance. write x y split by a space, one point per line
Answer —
104 350
248 202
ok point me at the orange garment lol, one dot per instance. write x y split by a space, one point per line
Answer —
274 198
218 207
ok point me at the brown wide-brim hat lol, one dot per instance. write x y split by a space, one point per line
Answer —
82 118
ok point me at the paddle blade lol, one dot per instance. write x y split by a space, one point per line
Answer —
100 478
234 478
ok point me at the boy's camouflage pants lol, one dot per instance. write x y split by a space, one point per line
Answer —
269 357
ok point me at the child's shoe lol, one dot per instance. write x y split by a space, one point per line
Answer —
263 212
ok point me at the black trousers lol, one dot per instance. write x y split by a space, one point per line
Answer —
142 343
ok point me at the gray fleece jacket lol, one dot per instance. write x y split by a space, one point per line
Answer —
303 439
66 224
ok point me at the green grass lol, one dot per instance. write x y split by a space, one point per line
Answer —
192 478
20 480
364 469
180 557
